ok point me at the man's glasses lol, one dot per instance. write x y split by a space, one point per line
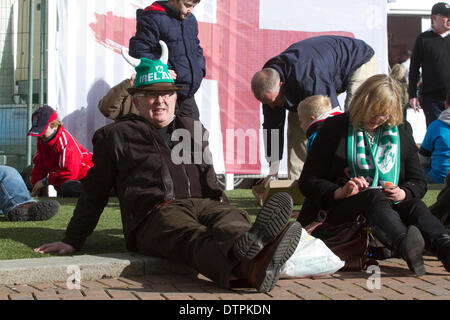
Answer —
155 95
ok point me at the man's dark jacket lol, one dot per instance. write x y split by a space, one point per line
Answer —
131 155
323 171
161 22
316 66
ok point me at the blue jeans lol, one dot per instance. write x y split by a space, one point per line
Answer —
13 191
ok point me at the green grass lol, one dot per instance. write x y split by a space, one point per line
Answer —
17 239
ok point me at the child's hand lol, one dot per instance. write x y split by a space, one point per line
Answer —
38 186
173 74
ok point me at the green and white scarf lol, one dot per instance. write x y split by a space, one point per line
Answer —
385 154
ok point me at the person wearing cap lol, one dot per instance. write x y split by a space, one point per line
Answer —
324 65
16 203
172 21
60 160
171 204
431 53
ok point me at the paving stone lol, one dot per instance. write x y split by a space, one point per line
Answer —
20 296
282 293
112 283
142 295
4 296
177 296
121 294
230 296
204 296
22 289
71 295
6 290
46 295
96 294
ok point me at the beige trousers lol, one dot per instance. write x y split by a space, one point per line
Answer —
370 68
296 146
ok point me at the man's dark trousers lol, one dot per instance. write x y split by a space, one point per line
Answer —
432 107
197 232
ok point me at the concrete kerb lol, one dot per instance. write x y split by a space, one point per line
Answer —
89 267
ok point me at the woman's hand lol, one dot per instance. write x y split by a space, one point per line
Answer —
395 194
352 187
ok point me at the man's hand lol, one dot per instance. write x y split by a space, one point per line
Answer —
59 247
38 186
415 104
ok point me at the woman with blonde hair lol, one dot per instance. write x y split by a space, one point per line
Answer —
364 162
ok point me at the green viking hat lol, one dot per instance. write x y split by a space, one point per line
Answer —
151 75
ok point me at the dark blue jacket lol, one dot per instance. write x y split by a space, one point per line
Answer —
319 65
160 22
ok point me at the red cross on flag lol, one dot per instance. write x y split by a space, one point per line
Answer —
237 36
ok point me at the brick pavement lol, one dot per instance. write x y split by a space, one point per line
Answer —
396 283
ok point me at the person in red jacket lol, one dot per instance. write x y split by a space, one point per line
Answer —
60 160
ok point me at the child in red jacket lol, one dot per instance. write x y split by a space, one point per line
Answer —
60 160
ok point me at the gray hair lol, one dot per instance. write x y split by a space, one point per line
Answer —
266 80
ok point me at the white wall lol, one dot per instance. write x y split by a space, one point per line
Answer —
421 7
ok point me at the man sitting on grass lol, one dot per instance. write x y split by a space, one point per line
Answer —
175 209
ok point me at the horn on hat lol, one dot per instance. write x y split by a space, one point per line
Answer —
133 61
164 52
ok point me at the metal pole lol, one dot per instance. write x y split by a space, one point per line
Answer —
30 76
42 62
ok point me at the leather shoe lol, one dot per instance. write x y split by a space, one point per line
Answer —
270 221
264 270
34 211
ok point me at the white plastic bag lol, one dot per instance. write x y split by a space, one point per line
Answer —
312 257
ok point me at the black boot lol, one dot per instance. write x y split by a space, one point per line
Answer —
411 250
407 243
443 250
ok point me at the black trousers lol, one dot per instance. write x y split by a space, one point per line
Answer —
432 108
186 106
388 221
196 232
70 189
